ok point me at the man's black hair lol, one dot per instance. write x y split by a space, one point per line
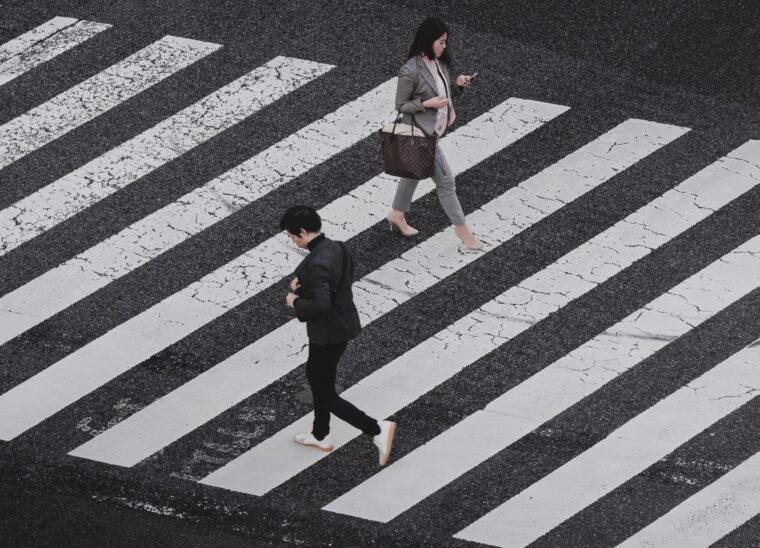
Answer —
298 217
430 30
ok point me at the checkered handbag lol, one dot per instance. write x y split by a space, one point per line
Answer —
407 151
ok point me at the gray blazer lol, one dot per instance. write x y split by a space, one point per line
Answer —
415 85
329 317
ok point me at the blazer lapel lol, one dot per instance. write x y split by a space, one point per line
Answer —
426 74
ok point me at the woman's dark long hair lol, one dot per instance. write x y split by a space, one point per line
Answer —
430 30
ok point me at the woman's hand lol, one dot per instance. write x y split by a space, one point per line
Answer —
463 80
290 298
435 102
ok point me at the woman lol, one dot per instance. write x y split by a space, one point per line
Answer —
424 91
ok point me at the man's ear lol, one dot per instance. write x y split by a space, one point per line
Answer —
303 233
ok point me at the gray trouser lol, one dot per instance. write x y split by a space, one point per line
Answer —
444 186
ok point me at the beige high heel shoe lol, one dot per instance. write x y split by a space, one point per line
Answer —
469 241
404 228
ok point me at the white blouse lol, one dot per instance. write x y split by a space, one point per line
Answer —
442 120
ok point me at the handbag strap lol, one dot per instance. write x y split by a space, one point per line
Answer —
344 266
337 290
414 124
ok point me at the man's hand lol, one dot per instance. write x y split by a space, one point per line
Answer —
295 284
290 299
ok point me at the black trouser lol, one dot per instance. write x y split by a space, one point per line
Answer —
321 369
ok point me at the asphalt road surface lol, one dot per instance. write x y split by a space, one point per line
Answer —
588 379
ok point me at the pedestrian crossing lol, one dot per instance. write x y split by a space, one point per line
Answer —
157 233
44 43
417 273
711 513
392 388
155 329
98 94
571 378
153 148
234 378
626 452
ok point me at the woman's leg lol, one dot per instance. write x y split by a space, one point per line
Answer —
445 186
401 203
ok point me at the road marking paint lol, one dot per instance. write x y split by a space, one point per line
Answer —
38 34
418 371
577 374
244 373
44 43
153 148
98 94
626 452
708 515
60 287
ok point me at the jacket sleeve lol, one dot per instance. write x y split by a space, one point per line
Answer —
320 303
407 81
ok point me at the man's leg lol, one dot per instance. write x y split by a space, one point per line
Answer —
348 412
321 369
382 433
320 372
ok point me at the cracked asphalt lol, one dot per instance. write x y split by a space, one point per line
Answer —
691 65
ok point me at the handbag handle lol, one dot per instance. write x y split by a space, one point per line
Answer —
398 117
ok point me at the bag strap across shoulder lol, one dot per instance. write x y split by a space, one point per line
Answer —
344 266
339 287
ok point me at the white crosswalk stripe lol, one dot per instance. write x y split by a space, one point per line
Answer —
145 334
44 43
153 148
195 211
577 374
415 373
628 451
708 515
97 95
38 34
275 258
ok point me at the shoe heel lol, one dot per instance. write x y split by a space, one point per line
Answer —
464 248
410 231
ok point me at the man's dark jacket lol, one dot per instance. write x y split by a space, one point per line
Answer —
329 317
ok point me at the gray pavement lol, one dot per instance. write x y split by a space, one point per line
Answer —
691 65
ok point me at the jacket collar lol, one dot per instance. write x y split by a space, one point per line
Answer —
315 243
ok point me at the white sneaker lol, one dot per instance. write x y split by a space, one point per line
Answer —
325 444
384 440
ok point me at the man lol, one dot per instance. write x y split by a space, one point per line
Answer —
323 299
